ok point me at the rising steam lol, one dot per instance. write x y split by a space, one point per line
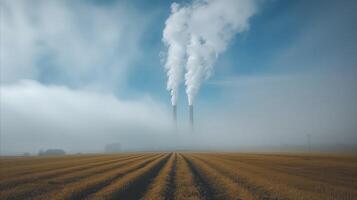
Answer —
175 37
197 34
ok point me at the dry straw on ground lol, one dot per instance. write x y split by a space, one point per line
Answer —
180 176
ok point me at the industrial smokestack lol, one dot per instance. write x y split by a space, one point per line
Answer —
191 117
174 116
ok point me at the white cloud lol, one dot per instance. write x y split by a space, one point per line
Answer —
79 41
283 109
17 41
35 116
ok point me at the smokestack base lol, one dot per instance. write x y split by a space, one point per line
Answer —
174 116
191 117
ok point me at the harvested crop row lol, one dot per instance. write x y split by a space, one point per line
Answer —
200 181
337 170
247 189
19 167
261 181
19 170
44 169
185 186
163 185
8 183
68 178
132 185
83 188
252 180
35 160
221 186
48 185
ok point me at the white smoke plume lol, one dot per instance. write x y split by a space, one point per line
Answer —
212 25
175 37
197 34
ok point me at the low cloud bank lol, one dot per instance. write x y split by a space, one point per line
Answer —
35 116
263 113
282 110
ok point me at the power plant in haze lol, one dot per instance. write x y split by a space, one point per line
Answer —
192 52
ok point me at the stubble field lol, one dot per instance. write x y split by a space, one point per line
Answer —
185 176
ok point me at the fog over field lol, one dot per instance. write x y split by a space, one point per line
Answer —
80 75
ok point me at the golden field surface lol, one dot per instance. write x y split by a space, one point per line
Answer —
186 176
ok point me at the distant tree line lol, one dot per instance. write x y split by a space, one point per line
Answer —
52 152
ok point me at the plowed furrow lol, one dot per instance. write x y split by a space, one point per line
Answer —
185 186
171 186
36 177
200 181
162 187
132 185
92 185
277 185
41 166
48 185
256 191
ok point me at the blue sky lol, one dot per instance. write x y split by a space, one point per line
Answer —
248 53
276 27
295 67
